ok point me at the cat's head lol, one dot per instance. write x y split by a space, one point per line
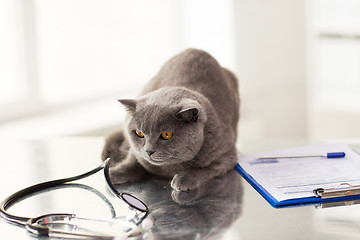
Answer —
165 127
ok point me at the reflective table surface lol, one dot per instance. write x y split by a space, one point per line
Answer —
226 207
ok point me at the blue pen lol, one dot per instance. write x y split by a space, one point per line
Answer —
327 155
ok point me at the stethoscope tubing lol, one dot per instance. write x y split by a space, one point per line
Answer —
19 195
30 223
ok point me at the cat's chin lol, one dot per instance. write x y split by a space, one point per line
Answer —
157 162
163 159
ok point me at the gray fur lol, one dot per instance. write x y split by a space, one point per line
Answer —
197 100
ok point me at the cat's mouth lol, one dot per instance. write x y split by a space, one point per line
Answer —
156 161
161 159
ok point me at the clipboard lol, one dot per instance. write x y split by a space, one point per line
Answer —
330 192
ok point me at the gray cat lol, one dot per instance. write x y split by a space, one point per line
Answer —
183 126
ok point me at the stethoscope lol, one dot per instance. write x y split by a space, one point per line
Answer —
68 225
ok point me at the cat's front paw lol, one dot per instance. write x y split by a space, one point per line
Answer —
184 182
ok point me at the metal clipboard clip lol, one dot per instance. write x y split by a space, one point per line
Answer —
350 190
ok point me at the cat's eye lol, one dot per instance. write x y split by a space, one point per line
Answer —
166 135
139 134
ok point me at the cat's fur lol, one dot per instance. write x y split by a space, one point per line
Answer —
197 100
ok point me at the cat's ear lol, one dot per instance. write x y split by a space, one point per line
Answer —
130 104
188 115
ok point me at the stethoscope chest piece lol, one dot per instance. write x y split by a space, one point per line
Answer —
46 224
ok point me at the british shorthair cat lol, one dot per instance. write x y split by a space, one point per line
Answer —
183 125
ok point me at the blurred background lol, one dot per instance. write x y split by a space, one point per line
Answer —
63 63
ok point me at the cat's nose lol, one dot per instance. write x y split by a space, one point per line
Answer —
149 153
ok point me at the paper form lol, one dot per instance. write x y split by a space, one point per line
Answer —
291 178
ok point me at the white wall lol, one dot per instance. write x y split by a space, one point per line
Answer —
79 53
270 50
84 54
334 68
